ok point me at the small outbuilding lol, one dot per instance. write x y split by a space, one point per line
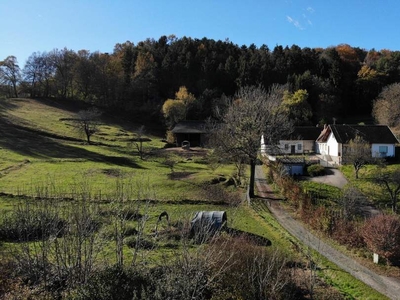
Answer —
293 165
193 132
208 222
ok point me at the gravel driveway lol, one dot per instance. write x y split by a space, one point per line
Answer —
387 286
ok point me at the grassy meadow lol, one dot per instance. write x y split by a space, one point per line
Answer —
43 156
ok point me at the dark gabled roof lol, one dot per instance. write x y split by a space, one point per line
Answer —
373 134
305 133
190 127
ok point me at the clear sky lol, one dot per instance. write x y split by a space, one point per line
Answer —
28 26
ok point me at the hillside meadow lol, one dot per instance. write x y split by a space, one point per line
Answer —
48 172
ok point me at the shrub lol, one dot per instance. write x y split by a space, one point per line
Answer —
348 233
382 235
315 170
27 223
113 283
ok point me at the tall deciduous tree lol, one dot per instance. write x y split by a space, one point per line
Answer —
391 182
386 109
297 107
176 110
10 73
251 113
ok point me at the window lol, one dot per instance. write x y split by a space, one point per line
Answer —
383 150
286 146
299 147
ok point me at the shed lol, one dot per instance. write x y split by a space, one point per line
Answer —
293 165
192 131
208 222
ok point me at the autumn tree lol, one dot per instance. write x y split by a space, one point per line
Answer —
382 235
10 73
297 107
175 110
251 113
386 109
358 153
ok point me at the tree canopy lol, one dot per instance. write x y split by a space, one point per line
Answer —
251 113
340 81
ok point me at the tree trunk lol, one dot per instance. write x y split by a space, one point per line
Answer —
15 90
394 204
252 177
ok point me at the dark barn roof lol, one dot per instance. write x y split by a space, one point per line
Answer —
373 134
190 127
305 133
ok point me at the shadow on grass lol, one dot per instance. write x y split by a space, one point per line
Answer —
256 239
67 105
29 143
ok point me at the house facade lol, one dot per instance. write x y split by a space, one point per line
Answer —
334 138
300 141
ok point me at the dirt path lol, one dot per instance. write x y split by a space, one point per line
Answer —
385 285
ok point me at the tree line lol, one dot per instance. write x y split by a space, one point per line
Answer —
335 82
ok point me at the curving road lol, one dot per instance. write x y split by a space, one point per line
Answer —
387 286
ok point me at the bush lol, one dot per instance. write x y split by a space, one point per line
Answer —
382 235
30 224
315 170
113 283
348 233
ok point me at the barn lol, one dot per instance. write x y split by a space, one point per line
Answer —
192 131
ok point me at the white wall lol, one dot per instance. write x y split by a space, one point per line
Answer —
289 144
390 148
333 146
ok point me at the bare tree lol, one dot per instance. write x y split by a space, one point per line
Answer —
358 153
350 203
386 109
10 73
138 141
87 122
391 183
253 112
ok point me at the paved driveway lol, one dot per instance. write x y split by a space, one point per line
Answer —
333 177
388 286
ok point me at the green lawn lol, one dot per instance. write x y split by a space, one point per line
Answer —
42 155
368 185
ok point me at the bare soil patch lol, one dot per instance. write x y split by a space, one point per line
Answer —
187 153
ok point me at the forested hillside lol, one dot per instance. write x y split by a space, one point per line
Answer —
340 81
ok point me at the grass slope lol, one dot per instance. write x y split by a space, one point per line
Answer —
41 154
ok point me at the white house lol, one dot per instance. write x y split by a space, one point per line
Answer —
334 138
300 141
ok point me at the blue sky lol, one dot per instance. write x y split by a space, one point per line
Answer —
28 26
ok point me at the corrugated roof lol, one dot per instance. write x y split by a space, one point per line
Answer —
190 127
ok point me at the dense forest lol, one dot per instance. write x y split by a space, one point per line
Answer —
337 83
